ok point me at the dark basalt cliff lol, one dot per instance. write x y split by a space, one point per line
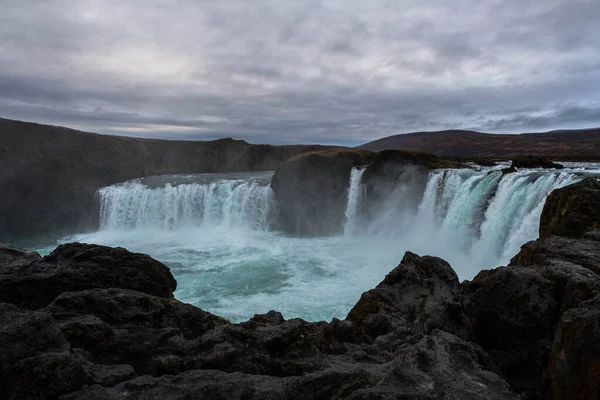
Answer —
312 188
49 175
526 331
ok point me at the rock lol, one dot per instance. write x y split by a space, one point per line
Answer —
524 331
516 309
311 190
573 210
46 376
547 250
419 295
13 257
35 359
439 366
76 266
530 161
575 358
117 326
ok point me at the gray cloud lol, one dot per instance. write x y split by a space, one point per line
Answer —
287 71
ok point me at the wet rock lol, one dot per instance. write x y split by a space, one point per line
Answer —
573 210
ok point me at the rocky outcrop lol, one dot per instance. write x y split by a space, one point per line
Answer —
408 338
311 190
71 268
49 175
573 210
530 162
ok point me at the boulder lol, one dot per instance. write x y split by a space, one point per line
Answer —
311 190
76 266
419 295
573 210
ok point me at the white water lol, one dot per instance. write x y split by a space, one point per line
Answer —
216 233
352 223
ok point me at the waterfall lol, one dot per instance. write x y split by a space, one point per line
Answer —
225 203
352 207
479 218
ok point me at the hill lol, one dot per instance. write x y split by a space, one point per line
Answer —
49 175
566 144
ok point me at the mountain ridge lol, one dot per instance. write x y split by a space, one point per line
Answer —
580 144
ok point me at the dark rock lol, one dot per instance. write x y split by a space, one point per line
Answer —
575 358
116 326
516 310
12 257
524 331
76 266
311 190
419 295
556 249
46 376
573 210
530 162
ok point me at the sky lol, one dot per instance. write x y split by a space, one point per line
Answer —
300 71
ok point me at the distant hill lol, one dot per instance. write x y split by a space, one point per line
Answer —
565 144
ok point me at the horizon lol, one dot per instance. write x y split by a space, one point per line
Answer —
321 72
175 138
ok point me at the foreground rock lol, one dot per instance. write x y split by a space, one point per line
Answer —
526 331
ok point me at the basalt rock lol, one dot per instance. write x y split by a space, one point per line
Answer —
311 190
114 342
530 161
573 210
73 267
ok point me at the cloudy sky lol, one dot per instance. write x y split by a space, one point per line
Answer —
289 71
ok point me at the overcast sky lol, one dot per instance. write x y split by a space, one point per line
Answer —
291 71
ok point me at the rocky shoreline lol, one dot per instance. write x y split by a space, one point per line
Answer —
93 322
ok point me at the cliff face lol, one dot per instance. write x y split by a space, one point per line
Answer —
49 175
93 322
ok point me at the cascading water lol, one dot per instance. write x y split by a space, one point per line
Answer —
215 232
352 222
474 219
226 203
